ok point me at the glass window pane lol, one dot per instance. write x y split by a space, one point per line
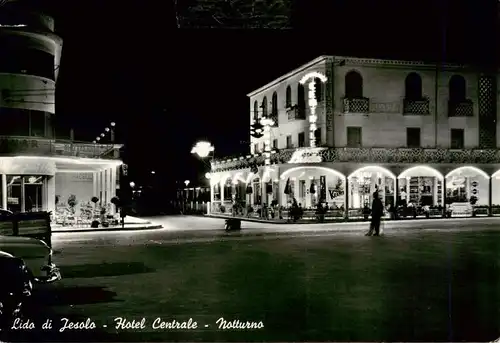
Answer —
14 193
33 193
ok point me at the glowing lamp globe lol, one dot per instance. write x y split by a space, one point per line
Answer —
202 149
106 129
207 175
132 184
186 182
113 123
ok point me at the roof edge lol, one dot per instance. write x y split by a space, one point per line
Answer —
289 74
354 60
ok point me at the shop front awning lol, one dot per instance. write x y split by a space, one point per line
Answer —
79 165
45 165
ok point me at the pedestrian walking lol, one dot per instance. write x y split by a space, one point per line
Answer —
377 213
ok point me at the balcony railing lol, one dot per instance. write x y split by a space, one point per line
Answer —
274 118
366 155
296 113
356 105
416 107
10 146
460 108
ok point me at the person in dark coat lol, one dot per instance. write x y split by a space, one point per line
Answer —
377 213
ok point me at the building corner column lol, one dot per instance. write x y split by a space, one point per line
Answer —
110 184
346 198
101 188
263 195
23 195
112 188
443 196
212 195
408 179
51 194
396 193
490 197
308 196
4 191
94 184
221 186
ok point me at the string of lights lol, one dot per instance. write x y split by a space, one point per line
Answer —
110 129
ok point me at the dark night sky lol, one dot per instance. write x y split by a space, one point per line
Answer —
166 88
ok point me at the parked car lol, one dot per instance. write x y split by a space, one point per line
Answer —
36 254
15 289
5 213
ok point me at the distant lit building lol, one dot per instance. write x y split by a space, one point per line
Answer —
192 199
342 128
39 172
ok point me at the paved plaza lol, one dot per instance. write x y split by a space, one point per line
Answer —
440 283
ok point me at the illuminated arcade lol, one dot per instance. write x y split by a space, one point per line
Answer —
308 151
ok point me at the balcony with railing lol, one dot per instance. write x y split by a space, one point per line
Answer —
274 118
464 108
416 107
296 113
366 155
356 105
35 146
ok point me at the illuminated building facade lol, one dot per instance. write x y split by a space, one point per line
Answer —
39 172
423 136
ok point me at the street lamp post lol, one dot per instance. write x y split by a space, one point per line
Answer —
203 149
185 196
112 135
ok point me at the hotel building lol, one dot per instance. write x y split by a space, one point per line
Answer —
337 129
38 171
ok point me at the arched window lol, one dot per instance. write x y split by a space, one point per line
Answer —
288 100
457 88
255 110
413 87
301 96
353 85
318 88
274 109
264 107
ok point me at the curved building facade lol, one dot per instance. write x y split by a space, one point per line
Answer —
28 72
38 171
